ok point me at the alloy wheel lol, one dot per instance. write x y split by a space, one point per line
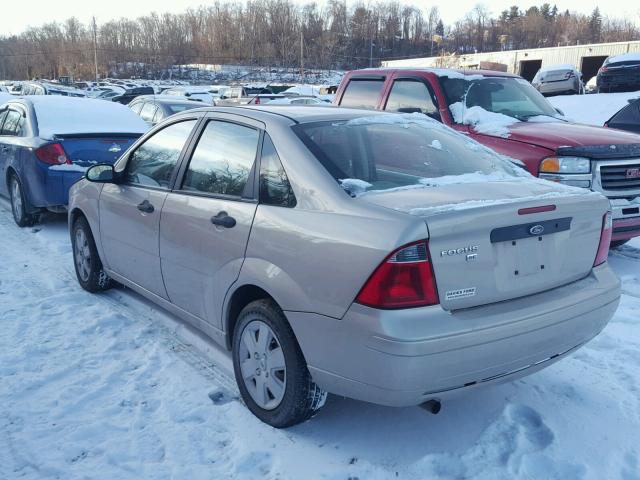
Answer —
82 255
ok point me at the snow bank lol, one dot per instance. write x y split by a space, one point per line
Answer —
483 121
64 116
593 109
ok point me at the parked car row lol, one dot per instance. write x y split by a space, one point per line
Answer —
434 261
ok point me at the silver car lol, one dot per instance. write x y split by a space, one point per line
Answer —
558 79
382 257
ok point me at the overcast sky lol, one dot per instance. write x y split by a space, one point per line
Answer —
15 16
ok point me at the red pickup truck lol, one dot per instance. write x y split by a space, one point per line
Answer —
505 113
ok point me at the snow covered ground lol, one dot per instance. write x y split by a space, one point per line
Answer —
110 387
593 109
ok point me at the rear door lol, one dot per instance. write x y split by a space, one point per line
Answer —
206 220
130 210
12 122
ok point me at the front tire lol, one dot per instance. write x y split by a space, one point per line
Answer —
89 270
269 367
19 203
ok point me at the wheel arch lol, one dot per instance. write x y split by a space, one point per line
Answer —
240 298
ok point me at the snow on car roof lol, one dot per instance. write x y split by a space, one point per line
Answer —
5 97
625 57
64 116
554 68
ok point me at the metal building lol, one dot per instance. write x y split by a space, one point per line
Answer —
586 58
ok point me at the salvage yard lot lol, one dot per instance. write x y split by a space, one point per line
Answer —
111 387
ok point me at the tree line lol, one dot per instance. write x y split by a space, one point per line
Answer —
281 33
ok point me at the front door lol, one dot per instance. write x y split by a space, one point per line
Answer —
206 221
130 210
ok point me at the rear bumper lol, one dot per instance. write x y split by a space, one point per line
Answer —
405 357
56 186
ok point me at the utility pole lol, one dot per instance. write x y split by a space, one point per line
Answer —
95 47
371 53
301 54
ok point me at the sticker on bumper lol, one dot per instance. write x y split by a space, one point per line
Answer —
460 293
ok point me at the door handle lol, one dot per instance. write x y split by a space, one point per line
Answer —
223 220
146 207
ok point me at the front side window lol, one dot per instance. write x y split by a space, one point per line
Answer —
13 123
399 150
222 160
362 93
152 163
411 96
275 188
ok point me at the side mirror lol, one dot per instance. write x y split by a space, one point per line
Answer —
559 111
102 173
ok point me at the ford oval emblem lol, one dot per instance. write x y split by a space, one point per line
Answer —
536 230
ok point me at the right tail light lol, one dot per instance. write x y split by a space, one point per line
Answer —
404 279
605 239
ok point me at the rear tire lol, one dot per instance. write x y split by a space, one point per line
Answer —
267 359
19 204
89 270
617 243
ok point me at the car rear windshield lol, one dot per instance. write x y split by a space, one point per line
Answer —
510 96
397 150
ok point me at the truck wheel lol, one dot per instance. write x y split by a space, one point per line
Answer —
19 204
89 271
270 369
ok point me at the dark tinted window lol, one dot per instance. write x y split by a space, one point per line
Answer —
362 93
396 150
628 118
407 95
153 162
223 159
275 188
13 123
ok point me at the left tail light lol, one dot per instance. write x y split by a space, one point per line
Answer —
404 279
52 154
605 240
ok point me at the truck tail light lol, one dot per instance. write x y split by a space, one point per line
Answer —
605 240
603 69
404 279
52 154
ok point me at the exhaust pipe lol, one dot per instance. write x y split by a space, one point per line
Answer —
432 406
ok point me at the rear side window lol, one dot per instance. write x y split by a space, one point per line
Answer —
13 124
275 188
362 93
3 115
148 111
223 159
152 163
136 107
411 96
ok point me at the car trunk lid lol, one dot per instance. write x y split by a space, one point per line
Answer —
90 149
489 243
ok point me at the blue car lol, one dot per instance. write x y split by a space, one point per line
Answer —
48 142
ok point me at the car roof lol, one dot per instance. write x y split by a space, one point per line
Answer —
167 99
435 71
292 114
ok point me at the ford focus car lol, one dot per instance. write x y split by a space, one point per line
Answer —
382 257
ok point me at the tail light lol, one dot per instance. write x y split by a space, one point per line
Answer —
569 75
52 154
603 69
605 240
403 280
257 101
